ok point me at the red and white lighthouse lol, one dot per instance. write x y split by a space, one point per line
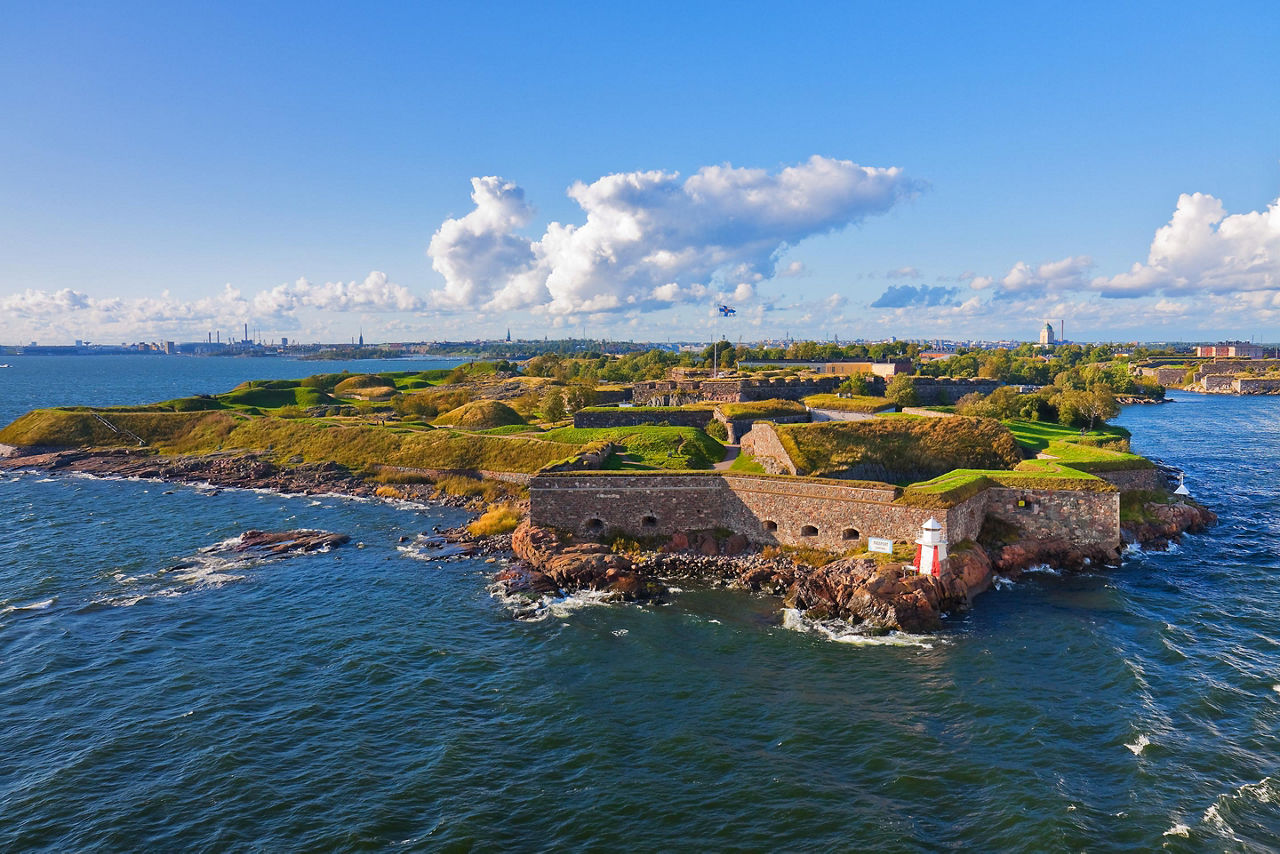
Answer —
931 549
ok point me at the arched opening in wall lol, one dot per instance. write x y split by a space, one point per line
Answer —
770 525
595 526
849 534
808 531
649 522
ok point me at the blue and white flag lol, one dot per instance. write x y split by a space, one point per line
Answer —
726 311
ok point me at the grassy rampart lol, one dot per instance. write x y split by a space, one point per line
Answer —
858 403
354 445
899 449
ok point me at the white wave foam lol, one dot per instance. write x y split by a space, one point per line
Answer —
1140 745
1265 791
534 610
36 606
617 633
1178 829
841 632
1043 569
1276 688
999 582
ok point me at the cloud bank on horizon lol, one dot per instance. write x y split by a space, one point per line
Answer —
650 241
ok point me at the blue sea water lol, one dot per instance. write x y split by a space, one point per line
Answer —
368 699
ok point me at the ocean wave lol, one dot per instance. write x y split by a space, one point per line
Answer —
1139 745
839 631
1236 806
531 609
42 605
1042 569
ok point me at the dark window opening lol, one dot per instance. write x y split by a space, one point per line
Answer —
649 522
808 531
770 525
595 524
850 534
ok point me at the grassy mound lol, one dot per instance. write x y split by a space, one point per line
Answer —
481 415
1035 436
367 386
356 446
860 403
762 409
267 397
657 447
899 450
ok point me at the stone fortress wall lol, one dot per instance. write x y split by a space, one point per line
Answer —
784 511
1254 385
680 391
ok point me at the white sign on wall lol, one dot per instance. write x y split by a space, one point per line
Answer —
880 544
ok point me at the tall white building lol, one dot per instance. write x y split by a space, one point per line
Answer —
1046 334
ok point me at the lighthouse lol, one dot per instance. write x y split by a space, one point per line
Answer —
931 549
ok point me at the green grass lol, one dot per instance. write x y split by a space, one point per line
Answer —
959 485
1090 458
1035 436
660 447
857 403
358 446
746 464
481 415
762 409
899 449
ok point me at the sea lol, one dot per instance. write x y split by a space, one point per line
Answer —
158 694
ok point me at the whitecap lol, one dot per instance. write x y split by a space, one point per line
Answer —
1043 569
1139 745
36 606
999 582
839 631
533 610
1179 829
1276 688
617 633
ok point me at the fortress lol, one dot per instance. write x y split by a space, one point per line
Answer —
789 511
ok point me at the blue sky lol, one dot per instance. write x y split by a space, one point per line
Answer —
166 169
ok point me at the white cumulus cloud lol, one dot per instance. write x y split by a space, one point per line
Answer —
375 293
1023 278
649 237
1202 249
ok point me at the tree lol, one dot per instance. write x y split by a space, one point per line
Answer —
855 384
902 390
579 396
553 405
1102 403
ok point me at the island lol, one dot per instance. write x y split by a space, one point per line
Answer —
853 491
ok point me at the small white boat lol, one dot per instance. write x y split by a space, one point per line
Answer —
4 366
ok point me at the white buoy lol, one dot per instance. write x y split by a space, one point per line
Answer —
1182 486
931 549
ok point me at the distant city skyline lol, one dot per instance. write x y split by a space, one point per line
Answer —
428 173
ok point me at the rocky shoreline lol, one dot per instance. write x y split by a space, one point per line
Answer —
876 595
243 470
